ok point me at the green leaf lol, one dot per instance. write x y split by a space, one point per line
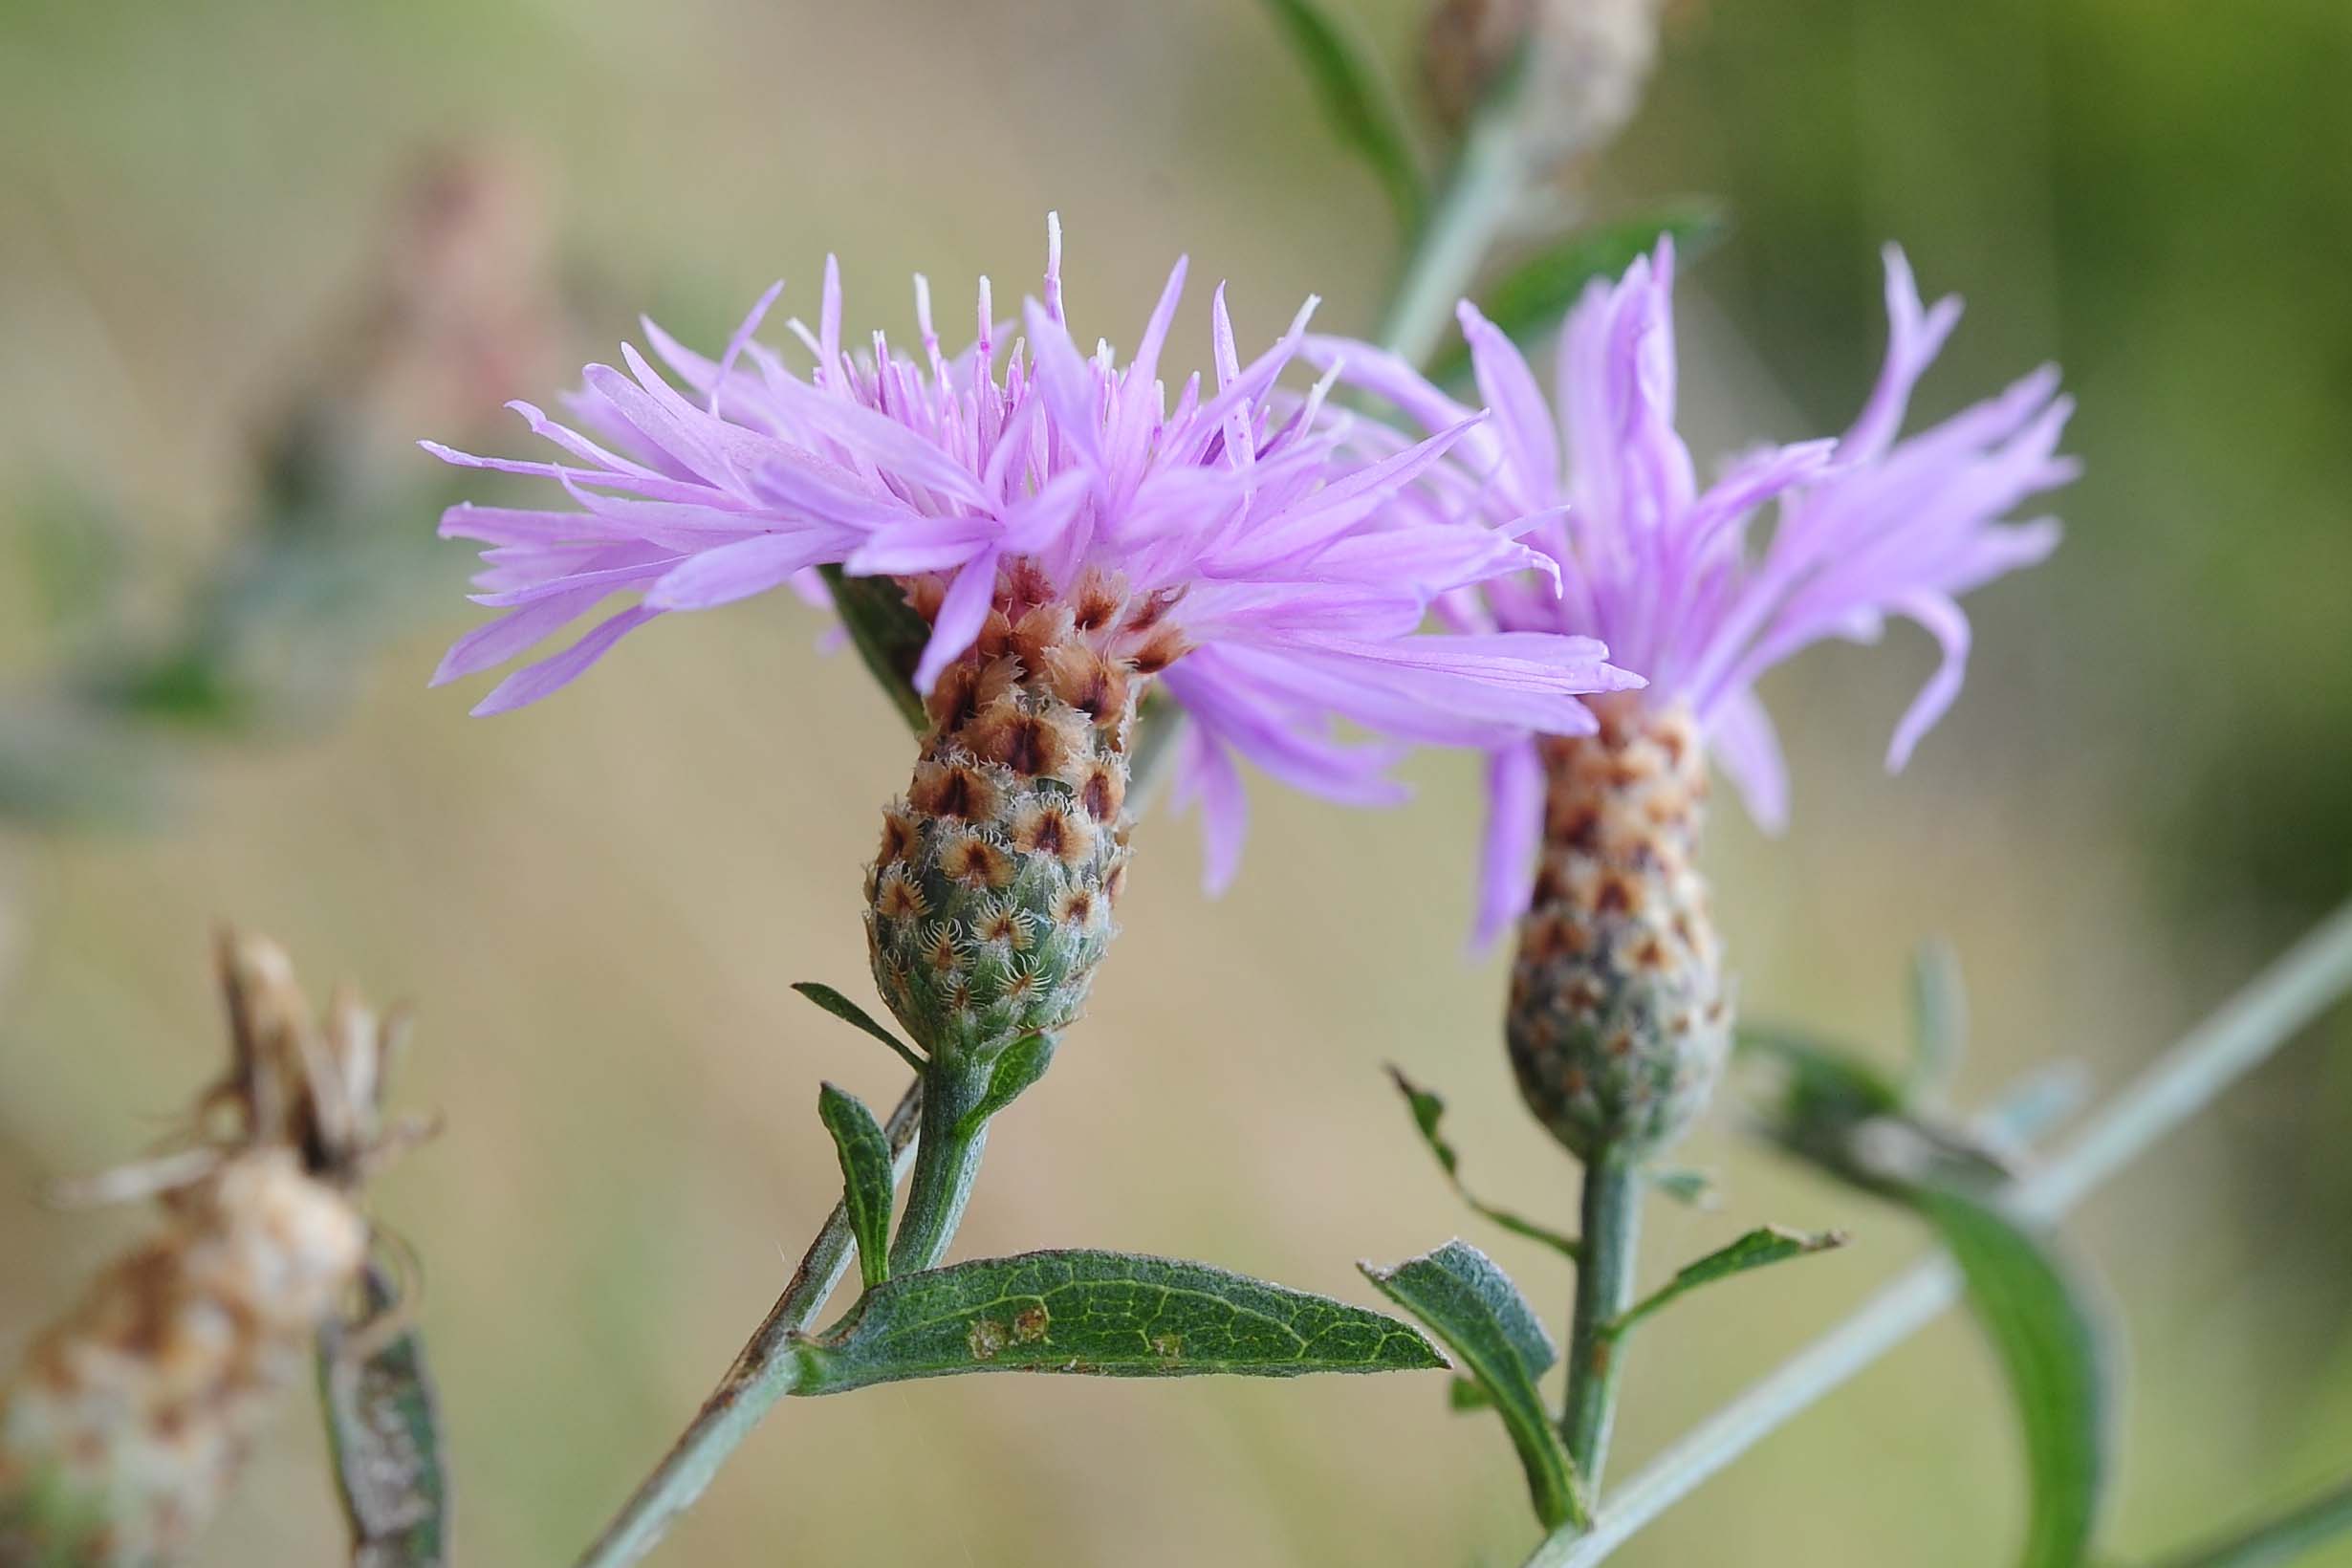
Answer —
1939 1020
867 1181
849 1011
1463 1395
384 1429
1357 100
888 634
1021 1064
1696 1188
1472 1306
1428 1113
1758 1248
1528 300
1113 1315
1859 1125
2051 1347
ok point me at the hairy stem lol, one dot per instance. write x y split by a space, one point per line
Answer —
1604 1288
763 1373
946 1162
2269 1012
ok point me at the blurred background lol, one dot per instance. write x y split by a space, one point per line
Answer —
250 250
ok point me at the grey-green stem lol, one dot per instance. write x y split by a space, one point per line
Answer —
2278 1003
763 1373
1612 1233
1483 193
946 1162
2277 1542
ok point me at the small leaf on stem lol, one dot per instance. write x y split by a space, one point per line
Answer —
1428 1113
1357 99
1758 1248
1022 1063
1497 1339
849 1011
1463 1395
1098 1313
865 1177
1696 1188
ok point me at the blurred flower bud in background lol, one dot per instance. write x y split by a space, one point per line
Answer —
1586 63
460 307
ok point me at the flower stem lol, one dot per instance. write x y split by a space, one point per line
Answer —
1482 191
1612 1236
946 1162
763 1373
2273 1009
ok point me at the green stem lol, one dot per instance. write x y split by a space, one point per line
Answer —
1484 189
763 1373
2275 1006
1604 1288
946 1162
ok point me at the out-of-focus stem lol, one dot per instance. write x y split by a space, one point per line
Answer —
1612 1235
2280 1540
763 1373
1481 193
2277 1005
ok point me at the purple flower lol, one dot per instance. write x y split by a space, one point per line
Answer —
1668 574
1296 573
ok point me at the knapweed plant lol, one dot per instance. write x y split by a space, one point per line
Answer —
1074 573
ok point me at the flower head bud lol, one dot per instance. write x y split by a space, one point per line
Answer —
1586 62
130 1418
988 904
1618 1023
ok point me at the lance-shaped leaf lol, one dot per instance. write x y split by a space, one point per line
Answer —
1357 100
849 1011
1760 1248
1096 1314
1528 300
384 1428
1428 1114
1021 1064
2050 1345
865 1177
1497 1339
1859 1126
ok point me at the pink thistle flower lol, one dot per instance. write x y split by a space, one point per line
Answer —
1671 576
1295 575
